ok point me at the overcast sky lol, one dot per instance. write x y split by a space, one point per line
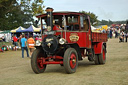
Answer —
105 9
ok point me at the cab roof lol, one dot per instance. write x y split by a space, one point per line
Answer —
62 13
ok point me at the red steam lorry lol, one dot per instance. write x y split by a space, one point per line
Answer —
66 40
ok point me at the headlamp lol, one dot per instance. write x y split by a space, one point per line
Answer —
38 43
62 41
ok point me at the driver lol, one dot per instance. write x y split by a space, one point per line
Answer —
56 26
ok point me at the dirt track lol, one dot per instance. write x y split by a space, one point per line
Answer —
17 71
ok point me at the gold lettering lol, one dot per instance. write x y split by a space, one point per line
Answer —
50 39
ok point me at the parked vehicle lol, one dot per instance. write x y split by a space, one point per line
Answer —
67 40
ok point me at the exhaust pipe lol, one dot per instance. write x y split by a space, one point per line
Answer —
49 19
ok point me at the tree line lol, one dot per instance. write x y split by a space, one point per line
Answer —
94 20
16 13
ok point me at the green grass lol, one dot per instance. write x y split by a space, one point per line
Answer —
5 43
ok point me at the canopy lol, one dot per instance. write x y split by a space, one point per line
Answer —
4 32
19 29
32 29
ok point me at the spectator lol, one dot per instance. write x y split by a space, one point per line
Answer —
15 41
116 33
121 36
20 39
126 27
126 31
12 39
36 38
126 36
122 33
103 31
110 33
3 38
31 44
24 46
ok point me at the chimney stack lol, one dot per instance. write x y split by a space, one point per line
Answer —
49 18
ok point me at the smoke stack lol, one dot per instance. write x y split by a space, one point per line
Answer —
49 19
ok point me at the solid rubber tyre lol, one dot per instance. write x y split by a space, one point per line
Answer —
70 60
61 65
96 60
35 64
102 56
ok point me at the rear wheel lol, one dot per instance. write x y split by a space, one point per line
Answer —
70 60
102 56
96 60
37 61
61 65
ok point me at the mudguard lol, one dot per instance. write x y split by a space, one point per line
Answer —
98 47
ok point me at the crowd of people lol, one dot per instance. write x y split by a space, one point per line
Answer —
26 44
120 32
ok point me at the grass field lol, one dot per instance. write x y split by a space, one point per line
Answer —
5 43
17 71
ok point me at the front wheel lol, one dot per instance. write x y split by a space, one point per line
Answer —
37 61
70 60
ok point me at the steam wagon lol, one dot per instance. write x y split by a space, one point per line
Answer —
66 40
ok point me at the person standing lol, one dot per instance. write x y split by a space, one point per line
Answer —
31 44
24 46
5 38
110 33
126 31
36 38
118 31
126 36
15 42
20 39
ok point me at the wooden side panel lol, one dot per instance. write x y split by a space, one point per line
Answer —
99 37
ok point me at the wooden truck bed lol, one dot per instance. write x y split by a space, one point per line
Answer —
99 37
